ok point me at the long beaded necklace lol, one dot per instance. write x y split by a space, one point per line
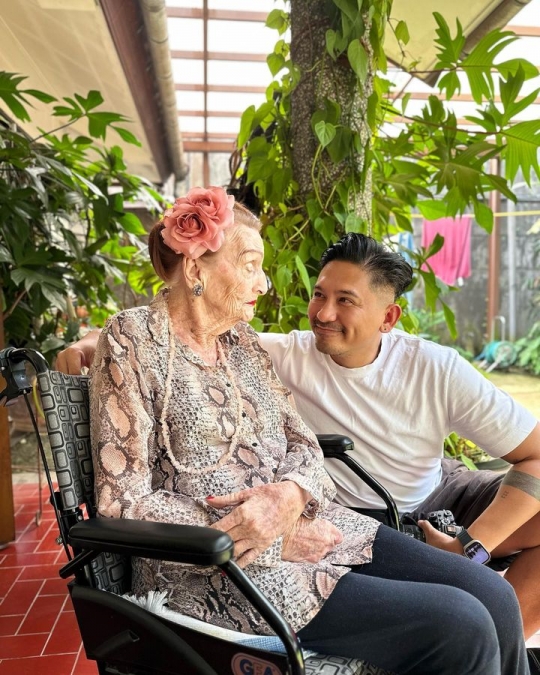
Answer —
182 468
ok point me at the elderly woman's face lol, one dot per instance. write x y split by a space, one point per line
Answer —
235 277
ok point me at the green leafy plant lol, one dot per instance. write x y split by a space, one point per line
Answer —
66 238
363 164
467 452
529 350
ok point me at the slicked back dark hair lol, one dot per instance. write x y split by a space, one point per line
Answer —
386 269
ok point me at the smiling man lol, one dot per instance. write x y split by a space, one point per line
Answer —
398 396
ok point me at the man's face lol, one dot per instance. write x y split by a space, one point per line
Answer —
347 314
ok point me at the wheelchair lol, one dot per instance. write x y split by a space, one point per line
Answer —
120 635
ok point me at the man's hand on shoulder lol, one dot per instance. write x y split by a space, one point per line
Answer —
78 355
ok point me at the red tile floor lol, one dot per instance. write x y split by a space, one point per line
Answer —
38 631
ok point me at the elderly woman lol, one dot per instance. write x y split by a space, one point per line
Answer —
191 425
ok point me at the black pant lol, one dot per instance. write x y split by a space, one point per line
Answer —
418 610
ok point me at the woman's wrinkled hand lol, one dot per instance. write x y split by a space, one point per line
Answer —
260 515
310 540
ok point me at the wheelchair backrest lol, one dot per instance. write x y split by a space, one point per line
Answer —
66 406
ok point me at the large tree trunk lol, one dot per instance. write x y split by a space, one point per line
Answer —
324 78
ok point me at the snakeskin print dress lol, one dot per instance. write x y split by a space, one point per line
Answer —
138 475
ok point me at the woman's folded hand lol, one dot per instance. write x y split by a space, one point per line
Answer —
310 540
261 515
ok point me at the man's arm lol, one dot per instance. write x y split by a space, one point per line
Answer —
516 502
78 355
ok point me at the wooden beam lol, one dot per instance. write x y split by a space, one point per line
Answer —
217 56
197 136
525 31
209 146
128 32
423 96
226 88
210 113
216 14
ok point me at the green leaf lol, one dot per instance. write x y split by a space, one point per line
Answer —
40 95
341 146
278 20
131 223
303 274
521 152
127 136
359 59
330 113
449 49
511 66
54 297
282 279
354 223
93 100
450 320
435 246
330 39
348 7
275 63
432 209
326 227
431 290
246 125
257 324
15 106
5 255
479 63
402 32
325 132
484 216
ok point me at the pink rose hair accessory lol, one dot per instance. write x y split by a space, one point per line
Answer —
196 222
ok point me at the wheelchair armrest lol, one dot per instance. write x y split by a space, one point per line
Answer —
160 541
336 446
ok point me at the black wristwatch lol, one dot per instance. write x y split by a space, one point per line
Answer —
472 548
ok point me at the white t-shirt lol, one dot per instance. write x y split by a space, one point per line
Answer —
397 410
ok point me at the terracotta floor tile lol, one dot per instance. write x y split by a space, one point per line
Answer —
48 543
54 587
18 646
44 665
34 533
42 615
7 578
16 559
65 636
19 548
22 520
10 624
83 666
20 597
39 572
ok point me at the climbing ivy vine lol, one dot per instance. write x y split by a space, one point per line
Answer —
358 161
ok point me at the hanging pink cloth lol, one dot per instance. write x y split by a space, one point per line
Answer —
453 261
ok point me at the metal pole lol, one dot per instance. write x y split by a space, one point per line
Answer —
493 300
511 234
